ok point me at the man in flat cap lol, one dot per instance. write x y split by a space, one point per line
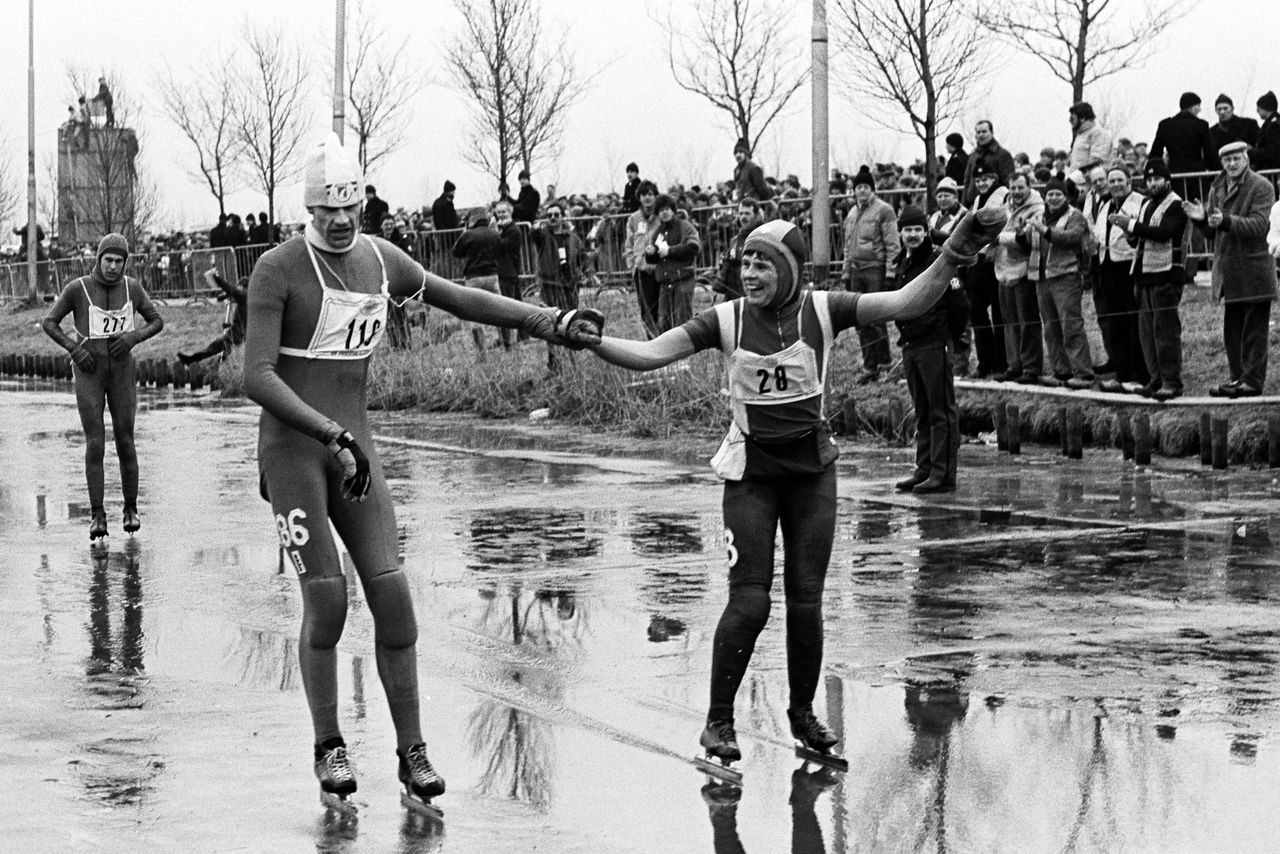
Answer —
1235 217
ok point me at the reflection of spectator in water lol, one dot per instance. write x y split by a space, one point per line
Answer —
806 833
528 535
933 707
668 586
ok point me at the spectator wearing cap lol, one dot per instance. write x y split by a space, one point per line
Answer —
527 200
1113 294
927 342
1090 142
989 154
641 225
672 250
374 210
443 214
957 159
1159 236
941 222
1230 127
1054 238
983 290
1023 343
1265 154
870 244
1236 217
748 178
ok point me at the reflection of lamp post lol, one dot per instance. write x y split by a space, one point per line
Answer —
33 245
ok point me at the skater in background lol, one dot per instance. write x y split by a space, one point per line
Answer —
778 461
318 308
103 305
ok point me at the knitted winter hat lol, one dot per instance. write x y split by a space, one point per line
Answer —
741 145
984 168
1055 184
912 215
331 177
948 185
1188 100
864 177
1223 99
1156 167
448 186
783 244
1268 102
115 244
955 140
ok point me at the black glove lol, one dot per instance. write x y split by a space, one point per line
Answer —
122 345
83 358
355 466
578 328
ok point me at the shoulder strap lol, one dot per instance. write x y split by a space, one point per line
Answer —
730 327
822 309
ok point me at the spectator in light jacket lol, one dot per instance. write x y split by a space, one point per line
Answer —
1090 142
1054 239
1113 294
1236 216
870 244
1023 347
640 227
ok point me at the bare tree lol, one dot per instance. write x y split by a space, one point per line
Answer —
916 60
203 108
1081 41
382 81
272 121
519 86
10 194
98 175
739 56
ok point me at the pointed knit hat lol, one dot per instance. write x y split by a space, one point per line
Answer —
332 176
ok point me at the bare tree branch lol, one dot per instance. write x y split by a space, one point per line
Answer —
382 81
917 60
738 56
203 108
1080 41
271 118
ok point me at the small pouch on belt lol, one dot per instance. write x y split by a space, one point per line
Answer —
730 461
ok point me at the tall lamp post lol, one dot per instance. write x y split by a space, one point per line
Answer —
821 211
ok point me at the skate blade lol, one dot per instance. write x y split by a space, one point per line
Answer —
415 804
830 760
340 804
713 768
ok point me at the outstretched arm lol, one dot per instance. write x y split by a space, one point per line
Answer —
671 346
976 230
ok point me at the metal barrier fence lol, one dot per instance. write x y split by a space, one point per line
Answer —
180 273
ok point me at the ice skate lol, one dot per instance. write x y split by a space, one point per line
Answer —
98 524
337 780
816 739
721 743
130 522
421 782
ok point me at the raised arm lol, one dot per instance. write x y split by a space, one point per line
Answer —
976 230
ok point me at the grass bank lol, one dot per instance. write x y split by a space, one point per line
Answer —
443 372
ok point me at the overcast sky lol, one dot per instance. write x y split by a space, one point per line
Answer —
633 110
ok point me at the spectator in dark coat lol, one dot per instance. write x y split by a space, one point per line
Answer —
479 247
561 255
374 209
927 342
673 250
1266 153
1230 127
728 280
631 192
748 178
528 200
236 235
510 242
1236 216
443 215
1184 142
987 153
957 159
218 234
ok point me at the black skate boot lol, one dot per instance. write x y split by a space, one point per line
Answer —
816 739
721 743
337 780
98 524
421 782
130 521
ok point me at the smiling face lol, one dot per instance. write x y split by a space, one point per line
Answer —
947 200
862 193
337 225
984 182
1118 183
1055 199
759 278
982 133
666 214
1019 190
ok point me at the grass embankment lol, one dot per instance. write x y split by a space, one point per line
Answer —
444 373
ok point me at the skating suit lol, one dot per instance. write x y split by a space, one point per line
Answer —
777 367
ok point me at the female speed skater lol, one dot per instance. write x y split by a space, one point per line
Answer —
103 305
778 459
317 309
